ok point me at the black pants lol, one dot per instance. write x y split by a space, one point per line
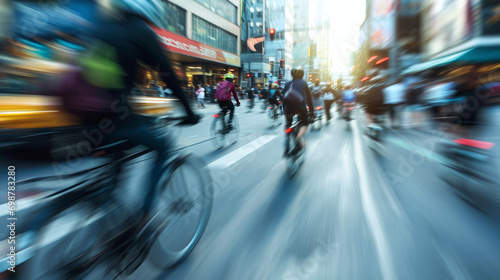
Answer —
393 114
227 105
293 110
328 106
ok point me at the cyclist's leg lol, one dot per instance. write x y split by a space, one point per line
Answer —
230 106
328 105
288 124
304 123
135 129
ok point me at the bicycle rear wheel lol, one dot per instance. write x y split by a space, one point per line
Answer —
234 133
183 208
294 159
272 119
217 133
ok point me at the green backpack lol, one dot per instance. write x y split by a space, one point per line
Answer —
100 67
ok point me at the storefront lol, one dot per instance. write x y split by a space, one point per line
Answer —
196 63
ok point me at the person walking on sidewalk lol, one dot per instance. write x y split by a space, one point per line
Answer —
328 98
201 96
394 98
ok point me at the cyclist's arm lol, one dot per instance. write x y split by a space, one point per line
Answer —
155 56
232 87
309 99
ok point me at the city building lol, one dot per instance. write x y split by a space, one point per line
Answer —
280 17
460 33
301 36
377 40
203 39
254 35
322 40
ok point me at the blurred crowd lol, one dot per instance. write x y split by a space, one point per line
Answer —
428 100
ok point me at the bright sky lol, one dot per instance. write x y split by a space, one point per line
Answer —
346 18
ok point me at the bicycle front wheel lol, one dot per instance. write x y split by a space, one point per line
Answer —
183 209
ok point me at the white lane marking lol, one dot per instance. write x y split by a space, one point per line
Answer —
192 136
241 152
370 209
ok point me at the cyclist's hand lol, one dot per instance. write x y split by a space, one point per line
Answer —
238 104
190 120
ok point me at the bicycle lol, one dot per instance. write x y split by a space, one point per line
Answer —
294 153
274 115
317 121
112 232
220 132
250 105
264 105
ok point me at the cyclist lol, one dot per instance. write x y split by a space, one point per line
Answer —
223 96
275 97
122 27
375 99
338 99
328 98
317 94
292 106
348 99
264 96
250 96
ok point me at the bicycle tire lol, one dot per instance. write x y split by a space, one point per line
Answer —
234 134
165 253
217 133
294 161
271 118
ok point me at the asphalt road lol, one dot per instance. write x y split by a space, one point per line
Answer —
351 212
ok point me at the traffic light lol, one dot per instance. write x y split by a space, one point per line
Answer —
272 32
310 77
281 76
249 75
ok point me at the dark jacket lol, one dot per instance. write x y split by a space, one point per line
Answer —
300 86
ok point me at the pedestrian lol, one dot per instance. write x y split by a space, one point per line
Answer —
317 94
413 97
201 96
328 98
394 98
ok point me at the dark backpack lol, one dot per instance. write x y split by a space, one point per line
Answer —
293 96
223 92
86 90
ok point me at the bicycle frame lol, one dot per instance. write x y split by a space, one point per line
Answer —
95 192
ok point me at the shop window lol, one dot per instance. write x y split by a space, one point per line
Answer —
175 19
213 35
223 8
